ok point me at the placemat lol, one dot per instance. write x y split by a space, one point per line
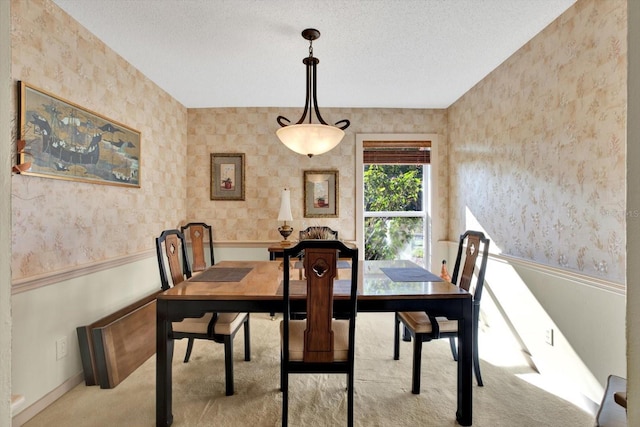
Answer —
410 274
222 274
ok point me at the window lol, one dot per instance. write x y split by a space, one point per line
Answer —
395 191
394 217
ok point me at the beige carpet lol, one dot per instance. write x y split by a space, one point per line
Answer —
382 389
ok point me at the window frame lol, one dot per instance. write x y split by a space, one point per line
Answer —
436 212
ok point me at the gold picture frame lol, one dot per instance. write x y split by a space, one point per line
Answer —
62 140
227 176
321 193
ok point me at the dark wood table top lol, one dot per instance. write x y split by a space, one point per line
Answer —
264 278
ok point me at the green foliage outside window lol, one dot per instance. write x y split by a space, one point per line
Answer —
391 188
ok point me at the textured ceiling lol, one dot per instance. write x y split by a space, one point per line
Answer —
373 53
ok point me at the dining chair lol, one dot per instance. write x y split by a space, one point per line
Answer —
320 343
321 232
424 327
217 327
196 232
318 232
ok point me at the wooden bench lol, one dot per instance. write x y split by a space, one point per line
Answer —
612 413
116 345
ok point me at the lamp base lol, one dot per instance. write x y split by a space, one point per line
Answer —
285 232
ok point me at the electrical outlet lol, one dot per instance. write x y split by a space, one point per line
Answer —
549 337
61 348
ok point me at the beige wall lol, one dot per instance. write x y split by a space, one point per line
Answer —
61 226
270 166
6 154
546 131
537 161
538 147
633 222
56 224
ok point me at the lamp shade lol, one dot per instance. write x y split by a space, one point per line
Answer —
285 206
310 138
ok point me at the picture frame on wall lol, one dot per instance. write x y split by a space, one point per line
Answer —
62 140
320 193
227 176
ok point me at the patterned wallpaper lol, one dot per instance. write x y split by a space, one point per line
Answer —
535 153
60 224
270 166
538 148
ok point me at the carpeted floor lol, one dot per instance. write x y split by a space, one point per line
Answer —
382 389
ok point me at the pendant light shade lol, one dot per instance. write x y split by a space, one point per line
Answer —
311 138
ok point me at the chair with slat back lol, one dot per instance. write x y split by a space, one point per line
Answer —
218 327
424 327
196 232
320 343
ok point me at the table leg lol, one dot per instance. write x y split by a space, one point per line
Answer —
164 356
465 364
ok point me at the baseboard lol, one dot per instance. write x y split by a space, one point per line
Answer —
48 399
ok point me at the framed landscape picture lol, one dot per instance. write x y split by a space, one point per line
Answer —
227 176
320 194
62 140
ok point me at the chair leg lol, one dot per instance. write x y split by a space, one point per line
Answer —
417 361
247 341
406 335
228 364
476 368
189 348
396 338
454 348
476 354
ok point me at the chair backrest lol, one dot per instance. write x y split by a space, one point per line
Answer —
196 232
472 243
320 264
318 232
170 246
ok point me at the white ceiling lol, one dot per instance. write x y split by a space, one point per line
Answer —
373 53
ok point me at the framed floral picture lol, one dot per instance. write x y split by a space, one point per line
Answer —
227 176
320 193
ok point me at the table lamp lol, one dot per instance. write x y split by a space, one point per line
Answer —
285 215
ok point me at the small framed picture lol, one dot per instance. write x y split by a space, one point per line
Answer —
227 176
320 194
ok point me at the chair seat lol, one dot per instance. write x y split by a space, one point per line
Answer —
226 324
296 339
419 322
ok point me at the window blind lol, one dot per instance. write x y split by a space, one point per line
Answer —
397 152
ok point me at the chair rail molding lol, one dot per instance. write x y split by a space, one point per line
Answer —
41 280
573 276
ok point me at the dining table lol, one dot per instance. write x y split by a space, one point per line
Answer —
256 287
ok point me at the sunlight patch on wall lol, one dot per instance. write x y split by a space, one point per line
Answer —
513 318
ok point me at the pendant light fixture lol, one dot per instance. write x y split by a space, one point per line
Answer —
311 138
